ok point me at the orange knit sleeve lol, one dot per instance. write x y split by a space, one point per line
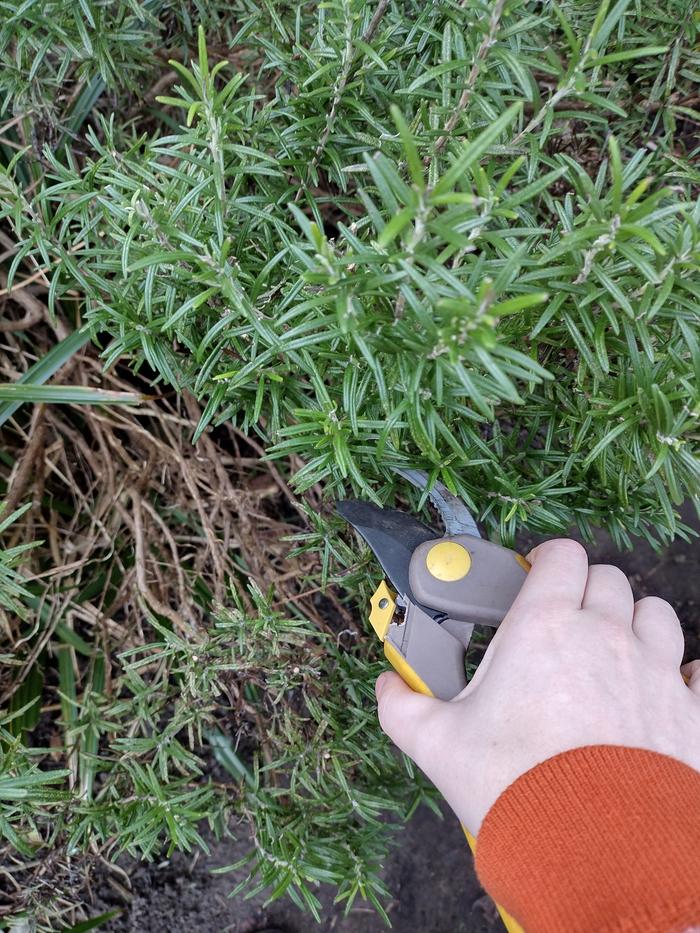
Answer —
600 839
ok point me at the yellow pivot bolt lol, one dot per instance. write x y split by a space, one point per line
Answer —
448 561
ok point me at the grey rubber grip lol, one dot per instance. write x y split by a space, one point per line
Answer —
483 595
431 651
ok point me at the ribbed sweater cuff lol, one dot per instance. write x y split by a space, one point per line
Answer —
601 839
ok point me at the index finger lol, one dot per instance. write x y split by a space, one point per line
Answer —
557 578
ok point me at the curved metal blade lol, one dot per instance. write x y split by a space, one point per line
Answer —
456 516
392 535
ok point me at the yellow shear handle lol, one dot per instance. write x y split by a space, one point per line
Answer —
415 682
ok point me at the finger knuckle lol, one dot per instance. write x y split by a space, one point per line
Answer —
565 547
655 605
610 571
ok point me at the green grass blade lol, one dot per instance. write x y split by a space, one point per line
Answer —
45 368
93 922
66 395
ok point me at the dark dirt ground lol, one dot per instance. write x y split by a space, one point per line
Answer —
430 872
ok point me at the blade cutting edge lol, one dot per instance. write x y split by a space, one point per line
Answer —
456 516
392 535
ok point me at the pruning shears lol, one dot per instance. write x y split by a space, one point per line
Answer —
437 588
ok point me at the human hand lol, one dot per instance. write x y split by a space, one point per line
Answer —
575 662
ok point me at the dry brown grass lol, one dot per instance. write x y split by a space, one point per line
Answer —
135 521
123 496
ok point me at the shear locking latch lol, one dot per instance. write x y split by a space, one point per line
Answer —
383 603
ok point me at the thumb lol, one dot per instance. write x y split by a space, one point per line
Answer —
403 713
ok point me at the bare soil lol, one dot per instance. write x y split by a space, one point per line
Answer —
430 873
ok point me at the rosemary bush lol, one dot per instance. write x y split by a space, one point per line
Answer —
460 236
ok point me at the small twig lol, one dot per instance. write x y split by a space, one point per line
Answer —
481 53
35 309
43 638
31 319
277 476
136 522
368 34
419 231
39 274
348 64
13 122
56 571
605 239
295 597
22 474
167 534
162 84
552 102
205 518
